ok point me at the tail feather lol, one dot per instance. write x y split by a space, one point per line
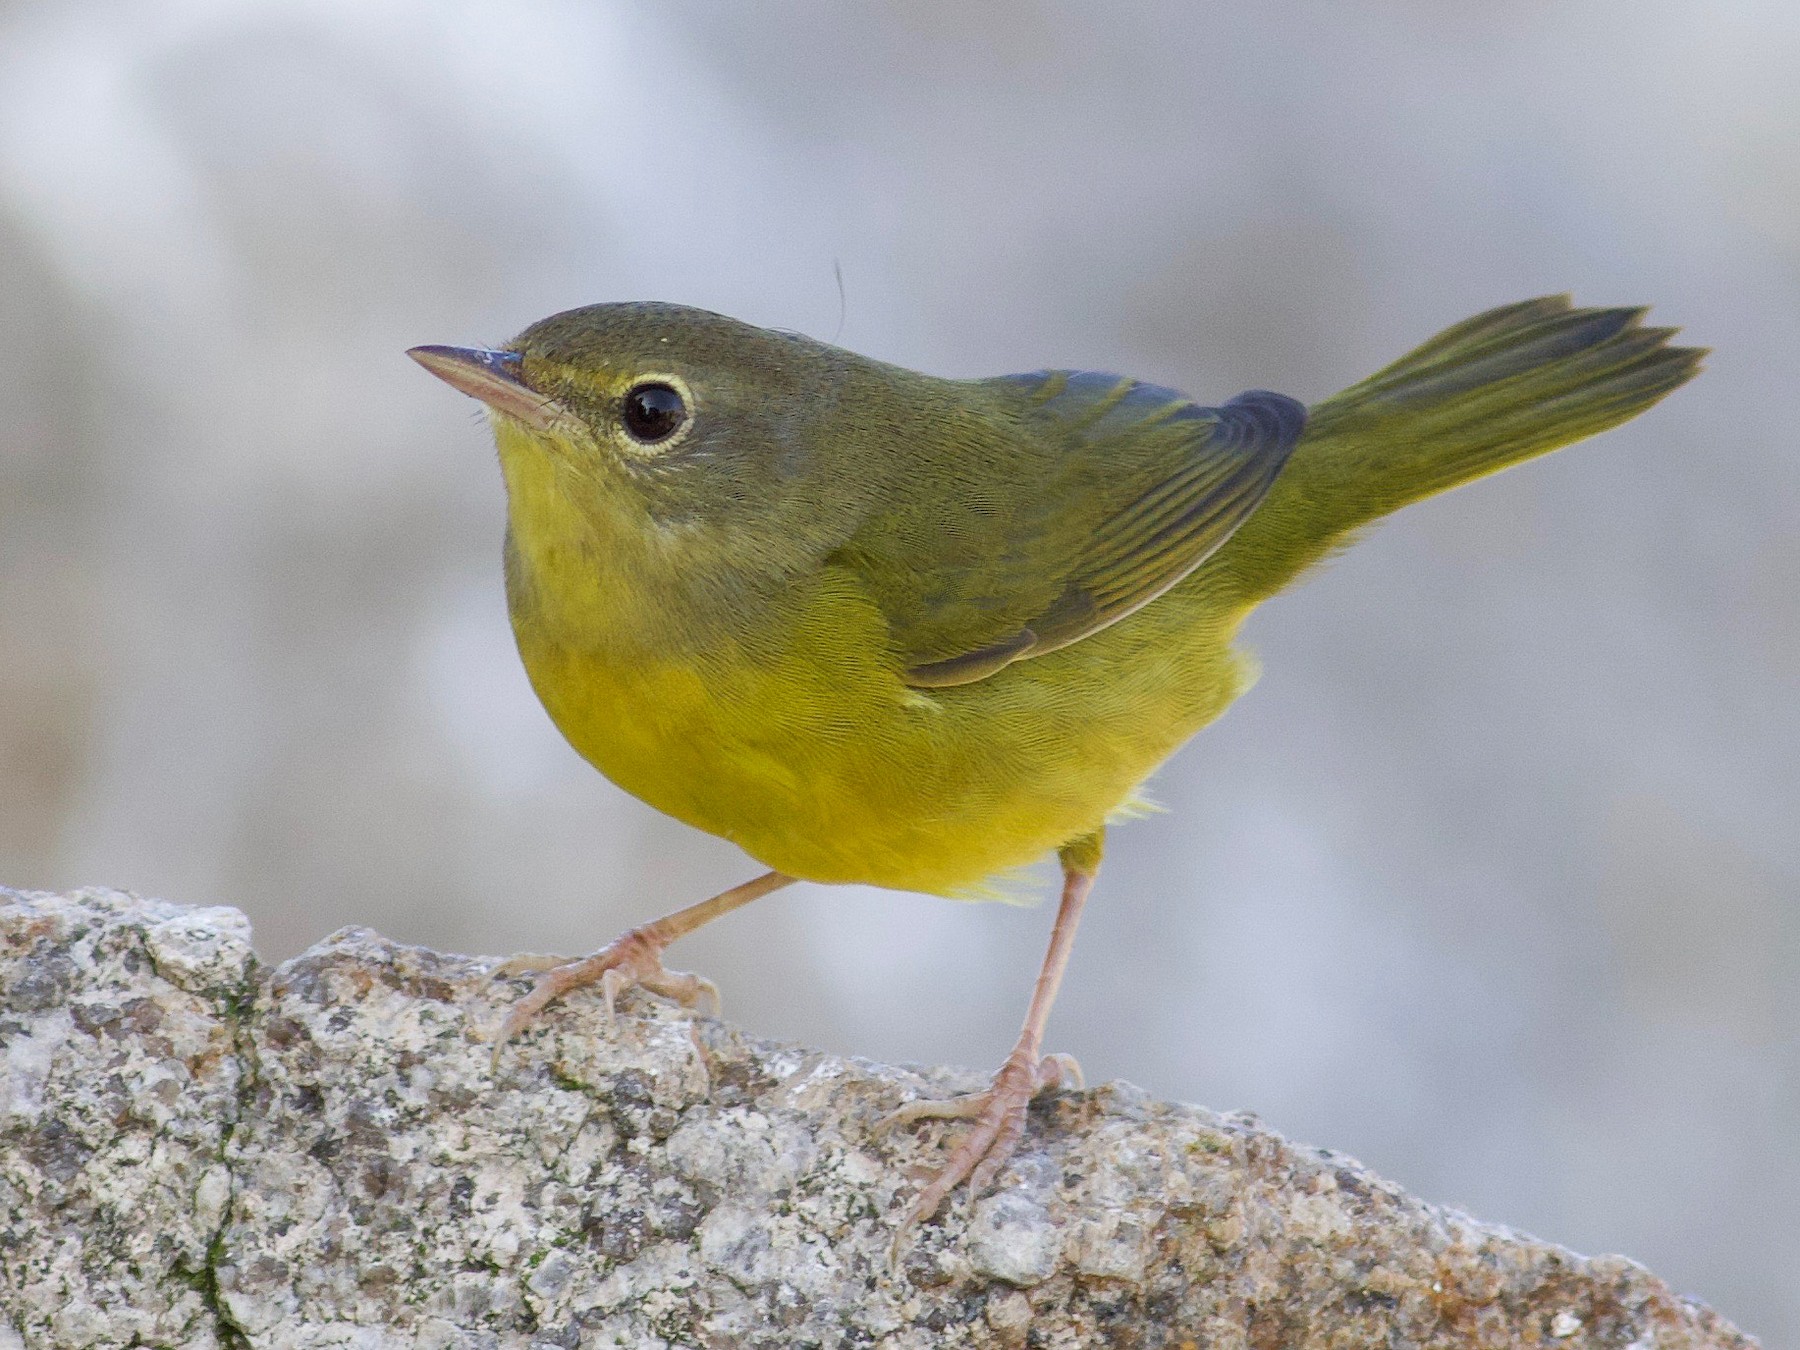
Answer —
1491 391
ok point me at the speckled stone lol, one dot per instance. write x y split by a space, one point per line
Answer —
198 1151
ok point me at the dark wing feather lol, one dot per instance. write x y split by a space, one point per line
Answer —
1125 488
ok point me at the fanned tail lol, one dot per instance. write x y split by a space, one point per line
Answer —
1491 391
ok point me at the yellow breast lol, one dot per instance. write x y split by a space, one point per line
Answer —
818 762
789 731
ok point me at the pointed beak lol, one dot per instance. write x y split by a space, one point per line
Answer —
496 378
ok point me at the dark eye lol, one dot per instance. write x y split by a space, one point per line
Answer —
653 412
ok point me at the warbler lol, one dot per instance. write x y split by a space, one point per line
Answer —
876 626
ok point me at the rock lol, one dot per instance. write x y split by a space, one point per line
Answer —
198 1151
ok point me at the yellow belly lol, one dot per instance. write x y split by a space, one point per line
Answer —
806 750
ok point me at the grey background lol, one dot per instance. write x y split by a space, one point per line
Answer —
1492 881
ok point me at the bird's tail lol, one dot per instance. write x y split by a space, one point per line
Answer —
1496 389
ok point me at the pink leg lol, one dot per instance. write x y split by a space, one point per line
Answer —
999 1112
632 959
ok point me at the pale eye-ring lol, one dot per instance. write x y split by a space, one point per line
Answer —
653 411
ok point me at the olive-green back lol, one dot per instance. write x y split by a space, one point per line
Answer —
1048 506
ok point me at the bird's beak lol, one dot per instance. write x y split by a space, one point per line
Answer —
496 378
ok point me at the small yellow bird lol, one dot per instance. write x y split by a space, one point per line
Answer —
875 626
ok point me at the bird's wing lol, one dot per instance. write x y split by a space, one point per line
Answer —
1084 497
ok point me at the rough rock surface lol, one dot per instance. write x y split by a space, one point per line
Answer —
196 1150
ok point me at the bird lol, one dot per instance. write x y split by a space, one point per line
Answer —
877 626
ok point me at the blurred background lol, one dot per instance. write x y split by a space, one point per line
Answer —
1493 881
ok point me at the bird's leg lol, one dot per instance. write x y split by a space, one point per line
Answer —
634 958
999 1112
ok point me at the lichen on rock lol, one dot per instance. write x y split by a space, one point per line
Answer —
199 1151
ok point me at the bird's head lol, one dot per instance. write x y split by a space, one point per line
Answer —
709 433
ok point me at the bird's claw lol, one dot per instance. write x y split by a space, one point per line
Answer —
529 963
999 1116
631 961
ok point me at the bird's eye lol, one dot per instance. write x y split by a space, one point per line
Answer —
653 412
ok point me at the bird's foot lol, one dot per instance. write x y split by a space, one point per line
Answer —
999 1116
632 960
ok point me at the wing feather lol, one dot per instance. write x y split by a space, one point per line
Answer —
1138 486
